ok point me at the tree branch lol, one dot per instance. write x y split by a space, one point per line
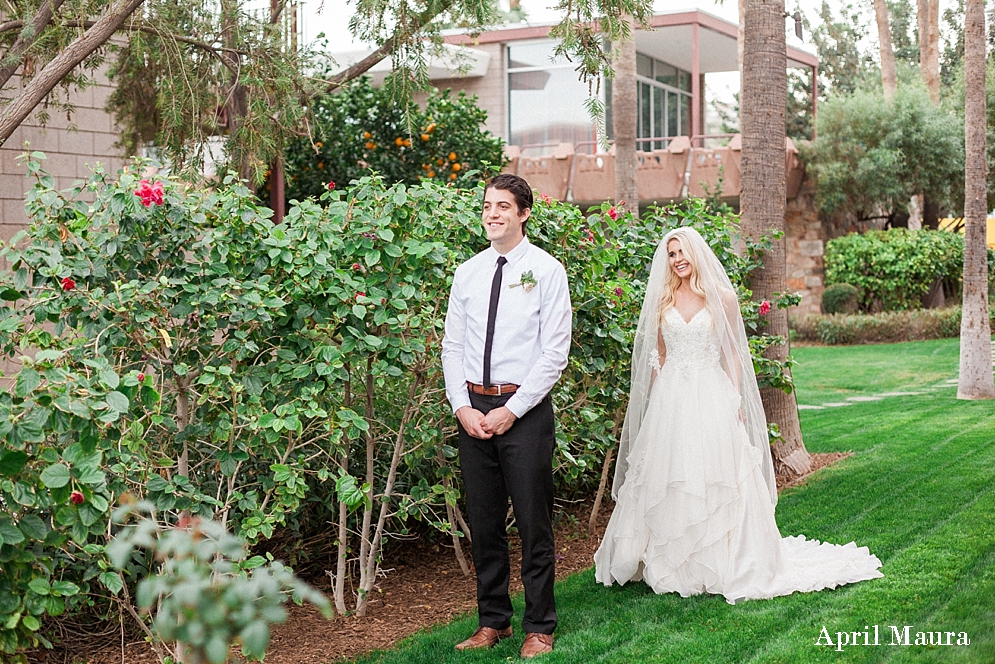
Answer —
401 35
21 106
29 35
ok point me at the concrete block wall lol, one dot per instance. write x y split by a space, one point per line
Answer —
72 143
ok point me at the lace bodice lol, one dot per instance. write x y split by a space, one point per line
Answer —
690 346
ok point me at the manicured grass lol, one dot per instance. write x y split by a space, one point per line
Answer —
919 491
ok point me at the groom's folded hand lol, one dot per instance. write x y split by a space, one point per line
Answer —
472 420
498 421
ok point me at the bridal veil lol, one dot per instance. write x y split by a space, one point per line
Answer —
720 299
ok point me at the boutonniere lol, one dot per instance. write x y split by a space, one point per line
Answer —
527 282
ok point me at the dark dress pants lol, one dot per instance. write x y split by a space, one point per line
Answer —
517 464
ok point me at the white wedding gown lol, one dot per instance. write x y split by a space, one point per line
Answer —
694 514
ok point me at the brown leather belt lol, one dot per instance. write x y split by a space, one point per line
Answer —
493 390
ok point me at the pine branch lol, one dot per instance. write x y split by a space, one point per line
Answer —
29 35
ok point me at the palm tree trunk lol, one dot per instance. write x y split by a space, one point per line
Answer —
624 108
929 46
889 80
975 327
762 103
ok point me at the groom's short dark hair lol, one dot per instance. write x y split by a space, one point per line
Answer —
518 187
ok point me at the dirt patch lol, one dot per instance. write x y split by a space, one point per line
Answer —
422 587
820 460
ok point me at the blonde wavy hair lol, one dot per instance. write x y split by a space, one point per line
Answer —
671 281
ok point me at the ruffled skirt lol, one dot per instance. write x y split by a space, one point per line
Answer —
694 514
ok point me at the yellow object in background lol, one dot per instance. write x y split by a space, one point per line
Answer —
956 224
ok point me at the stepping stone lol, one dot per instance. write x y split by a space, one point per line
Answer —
898 394
837 404
808 407
952 381
863 398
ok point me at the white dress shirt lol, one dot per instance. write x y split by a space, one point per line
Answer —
531 331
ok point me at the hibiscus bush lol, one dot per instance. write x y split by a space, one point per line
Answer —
177 347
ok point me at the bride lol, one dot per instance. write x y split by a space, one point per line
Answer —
694 482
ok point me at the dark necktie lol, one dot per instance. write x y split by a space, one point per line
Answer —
492 318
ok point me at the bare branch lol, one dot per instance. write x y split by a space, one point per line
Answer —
21 106
29 35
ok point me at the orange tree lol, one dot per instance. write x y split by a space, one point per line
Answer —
362 129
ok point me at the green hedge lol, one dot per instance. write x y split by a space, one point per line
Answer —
895 269
884 327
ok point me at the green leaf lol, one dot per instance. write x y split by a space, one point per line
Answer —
9 534
110 379
358 310
64 588
31 623
55 476
372 257
39 586
27 380
112 581
117 401
91 476
10 295
12 463
33 527
255 638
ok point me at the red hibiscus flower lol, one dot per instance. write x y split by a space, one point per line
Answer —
141 377
545 199
619 292
76 498
67 284
764 308
331 185
613 213
150 193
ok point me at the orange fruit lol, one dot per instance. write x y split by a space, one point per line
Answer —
321 165
367 134
407 142
424 137
431 174
398 141
318 144
430 128
439 161
452 156
452 176
456 167
370 145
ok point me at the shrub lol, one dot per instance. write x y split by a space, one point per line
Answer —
884 327
361 129
189 352
840 299
871 154
895 269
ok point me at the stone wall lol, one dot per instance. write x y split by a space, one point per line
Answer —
72 144
805 236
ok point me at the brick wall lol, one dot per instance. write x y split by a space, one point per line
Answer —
492 95
69 152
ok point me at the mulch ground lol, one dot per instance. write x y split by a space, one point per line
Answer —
423 586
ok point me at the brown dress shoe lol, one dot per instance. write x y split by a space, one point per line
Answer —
536 644
484 637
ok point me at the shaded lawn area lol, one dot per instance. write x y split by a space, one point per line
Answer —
919 491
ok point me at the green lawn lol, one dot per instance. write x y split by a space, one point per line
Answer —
919 491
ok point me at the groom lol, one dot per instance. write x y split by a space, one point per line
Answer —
506 343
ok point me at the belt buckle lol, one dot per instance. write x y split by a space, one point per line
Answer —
499 389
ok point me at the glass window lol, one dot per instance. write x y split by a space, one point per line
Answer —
673 120
664 73
644 65
533 55
686 117
548 106
658 114
685 81
645 113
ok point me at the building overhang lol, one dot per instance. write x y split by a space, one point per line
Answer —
666 40
451 61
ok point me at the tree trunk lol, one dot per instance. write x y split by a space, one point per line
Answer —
30 34
237 100
975 328
889 80
762 198
929 46
624 119
18 108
